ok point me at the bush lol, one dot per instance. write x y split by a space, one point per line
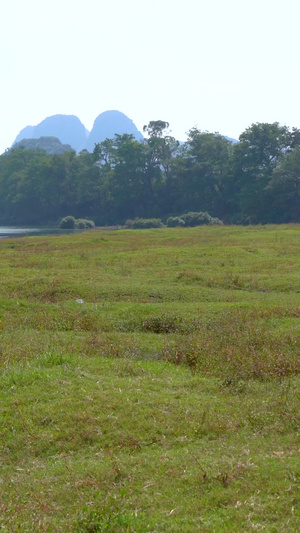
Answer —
144 223
67 222
164 324
82 223
70 222
198 219
216 222
173 222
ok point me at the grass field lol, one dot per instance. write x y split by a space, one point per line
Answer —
150 381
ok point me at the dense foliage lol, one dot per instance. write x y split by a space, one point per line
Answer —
71 222
256 180
51 145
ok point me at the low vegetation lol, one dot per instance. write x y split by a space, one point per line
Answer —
193 219
190 219
71 222
150 381
144 223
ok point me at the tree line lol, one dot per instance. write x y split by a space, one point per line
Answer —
256 180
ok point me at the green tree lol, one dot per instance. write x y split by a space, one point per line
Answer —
22 178
161 148
260 149
81 192
123 180
284 189
198 172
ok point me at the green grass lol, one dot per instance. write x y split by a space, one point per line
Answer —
169 400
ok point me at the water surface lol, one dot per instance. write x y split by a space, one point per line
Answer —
15 231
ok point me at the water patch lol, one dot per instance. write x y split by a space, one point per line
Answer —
14 231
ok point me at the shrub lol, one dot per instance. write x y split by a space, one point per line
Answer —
199 218
173 222
216 222
164 324
234 347
82 223
70 222
129 223
67 222
144 223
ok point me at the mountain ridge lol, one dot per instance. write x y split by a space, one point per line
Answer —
51 145
70 130
109 123
67 128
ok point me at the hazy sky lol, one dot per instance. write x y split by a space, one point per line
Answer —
220 65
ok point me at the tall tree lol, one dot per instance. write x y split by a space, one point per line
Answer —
284 189
161 148
81 186
22 178
198 172
123 179
261 148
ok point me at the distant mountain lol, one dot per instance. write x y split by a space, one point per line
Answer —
26 133
67 128
107 125
51 145
233 141
70 130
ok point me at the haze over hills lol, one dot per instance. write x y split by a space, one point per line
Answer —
67 128
107 125
70 130
51 145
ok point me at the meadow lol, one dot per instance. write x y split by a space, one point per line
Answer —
150 381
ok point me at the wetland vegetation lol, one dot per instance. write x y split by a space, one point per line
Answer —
150 380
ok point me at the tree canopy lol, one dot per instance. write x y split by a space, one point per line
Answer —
256 180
